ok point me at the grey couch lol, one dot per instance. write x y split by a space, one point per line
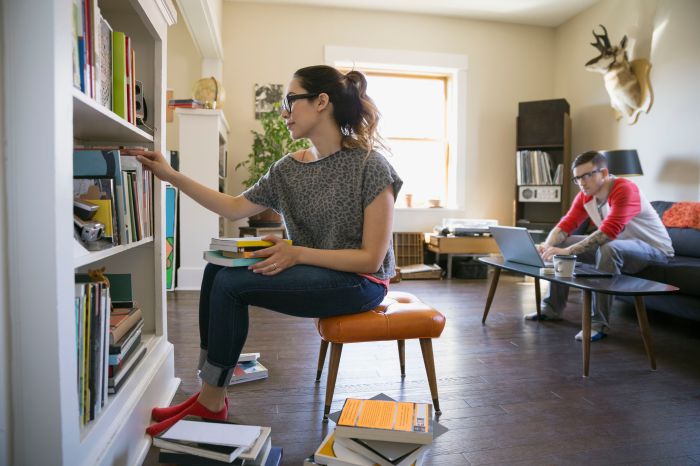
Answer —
683 271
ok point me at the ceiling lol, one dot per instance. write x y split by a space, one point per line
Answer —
549 13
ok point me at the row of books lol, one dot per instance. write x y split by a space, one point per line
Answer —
121 188
535 167
236 252
104 61
377 431
108 338
203 442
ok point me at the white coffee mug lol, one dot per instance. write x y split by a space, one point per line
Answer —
564 265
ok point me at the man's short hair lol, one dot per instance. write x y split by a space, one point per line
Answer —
598 159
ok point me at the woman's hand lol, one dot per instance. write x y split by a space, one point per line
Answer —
279 257
154 161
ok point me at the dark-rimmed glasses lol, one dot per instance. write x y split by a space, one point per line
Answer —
585 177
290 98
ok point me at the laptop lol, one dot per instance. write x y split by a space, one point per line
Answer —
517 246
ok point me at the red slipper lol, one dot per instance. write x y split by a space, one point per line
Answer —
196 409
161 414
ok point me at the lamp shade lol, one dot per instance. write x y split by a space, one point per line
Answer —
623 162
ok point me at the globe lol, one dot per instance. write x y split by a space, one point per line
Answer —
210 92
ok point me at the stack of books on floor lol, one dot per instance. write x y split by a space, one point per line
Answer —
236 252
383 432
194 441
248 368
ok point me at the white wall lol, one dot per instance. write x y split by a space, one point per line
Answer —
668 138
184 64
507 64
5 421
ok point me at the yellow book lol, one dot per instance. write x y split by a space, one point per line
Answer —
104 215
234 244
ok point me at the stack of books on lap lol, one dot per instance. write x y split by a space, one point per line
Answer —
236 252
383 432
194 441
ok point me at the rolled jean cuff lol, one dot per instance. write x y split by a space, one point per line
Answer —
202 358
215 375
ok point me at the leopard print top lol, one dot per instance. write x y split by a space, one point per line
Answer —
323 202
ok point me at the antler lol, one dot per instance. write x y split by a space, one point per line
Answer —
602 42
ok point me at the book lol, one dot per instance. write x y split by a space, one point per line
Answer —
238 255
247 357
391 421
119 73
119 325
222 441
118 359
128 366
233 244
215 257
385 453
247 371
332 453
186 459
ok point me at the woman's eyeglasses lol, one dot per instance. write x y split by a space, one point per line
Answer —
290 98
585 177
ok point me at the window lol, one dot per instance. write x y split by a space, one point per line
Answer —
422 98
414 125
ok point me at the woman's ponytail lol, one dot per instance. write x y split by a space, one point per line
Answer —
353 110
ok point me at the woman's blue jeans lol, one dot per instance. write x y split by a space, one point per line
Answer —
302 291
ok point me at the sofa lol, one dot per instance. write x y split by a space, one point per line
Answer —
682 270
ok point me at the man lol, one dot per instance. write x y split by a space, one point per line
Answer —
630 235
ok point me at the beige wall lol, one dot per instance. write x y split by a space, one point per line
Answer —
184 65
507 64
668 138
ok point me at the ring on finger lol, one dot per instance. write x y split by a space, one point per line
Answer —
274 266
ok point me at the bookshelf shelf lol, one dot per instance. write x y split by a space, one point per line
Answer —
93 122
95 256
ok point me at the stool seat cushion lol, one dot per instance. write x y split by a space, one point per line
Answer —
401 316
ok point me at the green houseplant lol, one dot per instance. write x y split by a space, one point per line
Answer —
270 145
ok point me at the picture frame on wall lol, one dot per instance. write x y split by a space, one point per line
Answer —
266 95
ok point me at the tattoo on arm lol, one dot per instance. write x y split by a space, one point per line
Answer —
590 243
556 236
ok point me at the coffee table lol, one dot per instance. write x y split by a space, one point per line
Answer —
619 285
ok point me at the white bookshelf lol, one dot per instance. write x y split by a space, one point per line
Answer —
48 116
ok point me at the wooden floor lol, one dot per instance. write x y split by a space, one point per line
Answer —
511 391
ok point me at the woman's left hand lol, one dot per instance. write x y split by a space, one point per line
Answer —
279 257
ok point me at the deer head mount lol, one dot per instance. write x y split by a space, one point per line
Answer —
627 83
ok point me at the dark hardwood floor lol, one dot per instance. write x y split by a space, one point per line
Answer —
511 391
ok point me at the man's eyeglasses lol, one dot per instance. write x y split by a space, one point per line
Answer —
585 177
290 98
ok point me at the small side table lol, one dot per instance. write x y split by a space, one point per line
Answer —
474 246
262 231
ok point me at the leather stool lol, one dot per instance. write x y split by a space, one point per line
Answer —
401 316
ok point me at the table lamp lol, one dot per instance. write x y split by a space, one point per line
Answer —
624 162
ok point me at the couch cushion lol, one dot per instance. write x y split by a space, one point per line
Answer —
686 241
680 271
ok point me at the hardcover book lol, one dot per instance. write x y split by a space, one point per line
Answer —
391 421
215 257
232 244
247 371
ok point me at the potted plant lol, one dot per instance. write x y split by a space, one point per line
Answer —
268 147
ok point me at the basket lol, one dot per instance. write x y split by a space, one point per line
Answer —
408 248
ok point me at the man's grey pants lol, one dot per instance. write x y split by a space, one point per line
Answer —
617 256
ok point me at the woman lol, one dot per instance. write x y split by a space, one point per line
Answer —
337 200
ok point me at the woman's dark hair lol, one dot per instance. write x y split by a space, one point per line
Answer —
353 110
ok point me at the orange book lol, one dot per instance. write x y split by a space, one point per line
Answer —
391 421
